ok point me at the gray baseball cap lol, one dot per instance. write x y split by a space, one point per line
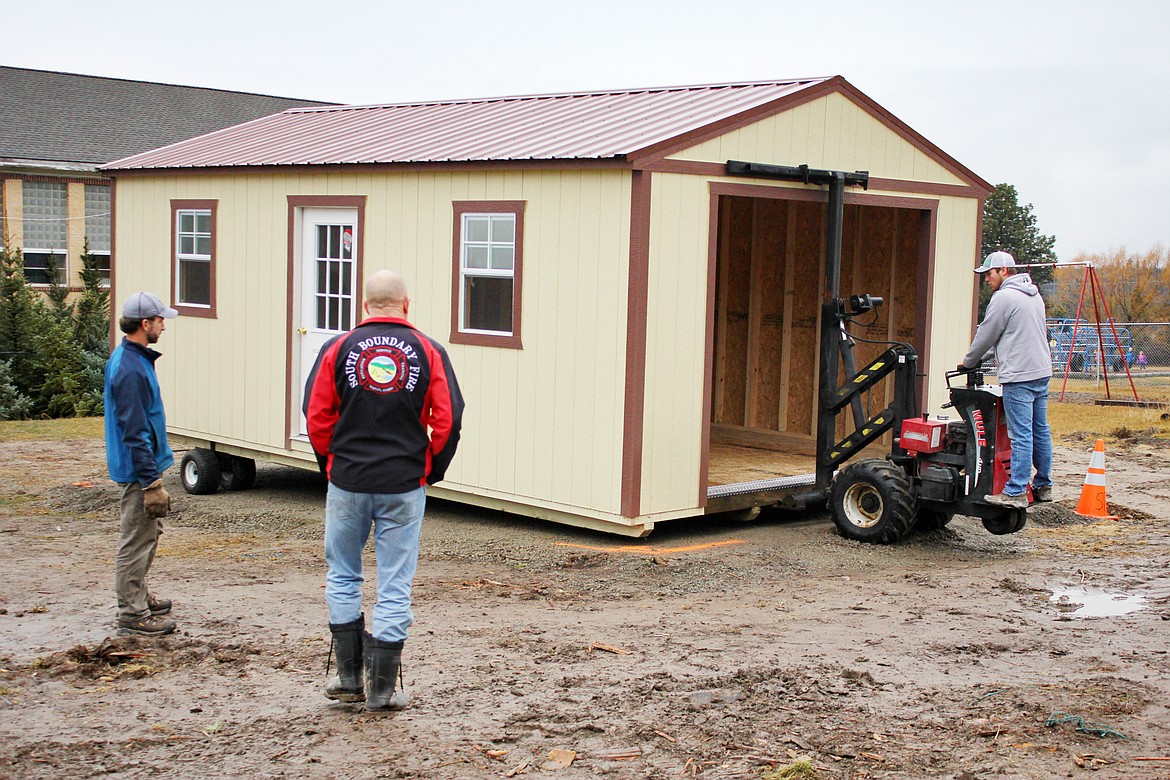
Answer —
996 260
144 305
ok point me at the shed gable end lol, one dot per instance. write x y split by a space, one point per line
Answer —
833 131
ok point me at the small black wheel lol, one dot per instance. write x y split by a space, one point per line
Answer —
932 519
872 501
1010 522
236 473
200 472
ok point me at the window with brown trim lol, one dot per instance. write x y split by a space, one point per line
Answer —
486 275
193 257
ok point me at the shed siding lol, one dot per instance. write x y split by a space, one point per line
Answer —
956 253
831 132
542 423
676 343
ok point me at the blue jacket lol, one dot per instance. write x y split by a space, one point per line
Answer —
136 426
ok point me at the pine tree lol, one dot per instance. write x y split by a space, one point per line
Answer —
14 405
91 316
58 293
1010 227
23 317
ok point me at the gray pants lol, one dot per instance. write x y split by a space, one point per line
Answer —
136 546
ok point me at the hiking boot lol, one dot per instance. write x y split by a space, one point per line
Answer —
347 650
1008 500
158 606
151 625
1042 495
383 662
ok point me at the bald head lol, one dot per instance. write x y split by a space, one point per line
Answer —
386 295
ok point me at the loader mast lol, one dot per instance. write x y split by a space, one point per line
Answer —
836 349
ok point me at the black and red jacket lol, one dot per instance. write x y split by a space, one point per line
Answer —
372 396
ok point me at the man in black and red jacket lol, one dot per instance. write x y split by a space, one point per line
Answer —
383 410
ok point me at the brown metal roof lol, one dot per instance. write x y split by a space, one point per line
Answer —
591 125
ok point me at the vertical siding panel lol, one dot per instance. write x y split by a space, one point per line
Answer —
569 339
667 348
587 295
846 143
831 132
608 398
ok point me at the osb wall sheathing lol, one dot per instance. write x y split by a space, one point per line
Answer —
769 290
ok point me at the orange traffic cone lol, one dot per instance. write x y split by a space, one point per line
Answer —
1092 503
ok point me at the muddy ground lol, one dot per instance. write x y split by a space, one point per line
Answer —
711 649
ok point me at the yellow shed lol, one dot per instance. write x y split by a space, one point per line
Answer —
634 322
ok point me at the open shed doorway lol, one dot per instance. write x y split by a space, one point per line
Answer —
769 282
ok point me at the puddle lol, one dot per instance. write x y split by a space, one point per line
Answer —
1086 602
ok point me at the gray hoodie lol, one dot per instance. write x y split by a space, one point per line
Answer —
1014 329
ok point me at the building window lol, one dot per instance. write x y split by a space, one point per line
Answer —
193 278
487 273
44 267
97 226
46 231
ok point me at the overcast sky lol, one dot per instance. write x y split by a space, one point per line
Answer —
1069 101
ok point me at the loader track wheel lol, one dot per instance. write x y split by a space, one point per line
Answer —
872 501
1011 522
932 519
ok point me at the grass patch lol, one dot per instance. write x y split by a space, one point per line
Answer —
1148 388
52 430
210 546
802 769
1112 423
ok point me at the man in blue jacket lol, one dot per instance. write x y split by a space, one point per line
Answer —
1014 328
137 454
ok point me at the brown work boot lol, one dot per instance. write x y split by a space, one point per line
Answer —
151 625
158 606
1043 495
1008 500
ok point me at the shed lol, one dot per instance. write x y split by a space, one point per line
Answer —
635 329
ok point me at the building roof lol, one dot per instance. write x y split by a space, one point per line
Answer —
586 125
69 118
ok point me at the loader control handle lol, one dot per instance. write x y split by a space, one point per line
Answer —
974 376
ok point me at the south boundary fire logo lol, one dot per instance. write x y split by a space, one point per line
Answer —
382 369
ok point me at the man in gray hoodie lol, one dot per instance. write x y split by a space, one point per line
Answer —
1014 328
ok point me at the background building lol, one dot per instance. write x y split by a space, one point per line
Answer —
57 128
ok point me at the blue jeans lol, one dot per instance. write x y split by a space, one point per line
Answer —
1026 406
396 519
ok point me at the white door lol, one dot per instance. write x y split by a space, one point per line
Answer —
327 298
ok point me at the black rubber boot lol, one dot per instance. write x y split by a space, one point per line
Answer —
347 650
383 661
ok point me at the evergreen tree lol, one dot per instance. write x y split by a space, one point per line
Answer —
91 316
52 361
62 391
58 288
14 405
23 317
1010 227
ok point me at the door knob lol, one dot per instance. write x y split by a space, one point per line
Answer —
302 331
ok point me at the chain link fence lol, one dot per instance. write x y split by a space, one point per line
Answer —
1105 360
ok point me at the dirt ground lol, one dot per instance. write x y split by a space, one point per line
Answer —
711 649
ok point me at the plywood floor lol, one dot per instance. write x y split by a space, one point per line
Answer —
738 461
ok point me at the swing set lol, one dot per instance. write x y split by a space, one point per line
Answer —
1092 284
